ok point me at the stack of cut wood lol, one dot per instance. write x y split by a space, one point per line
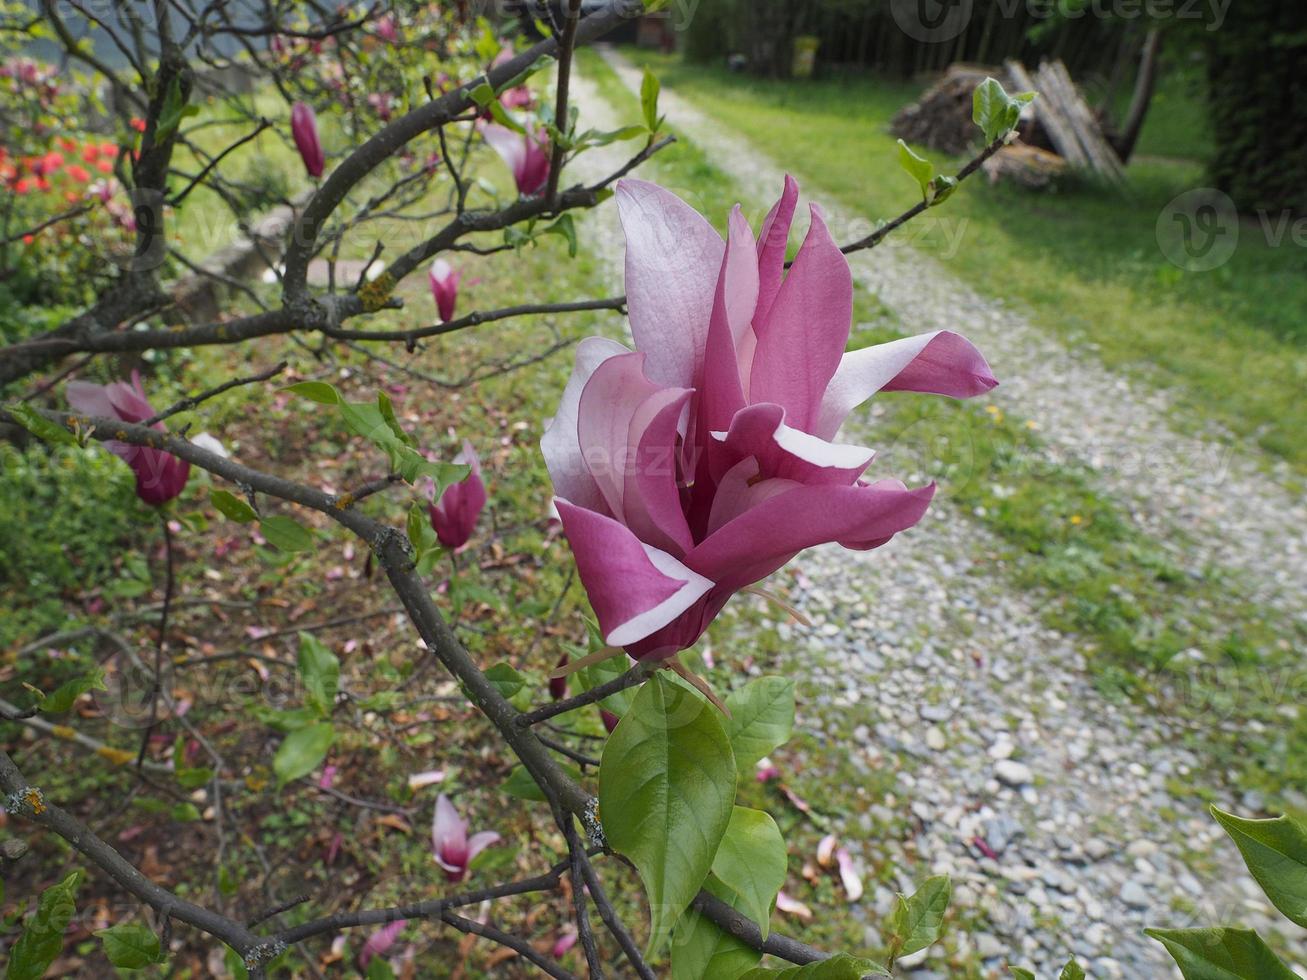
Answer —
1066 119
1059 130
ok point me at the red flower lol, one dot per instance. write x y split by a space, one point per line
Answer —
78 173
138 125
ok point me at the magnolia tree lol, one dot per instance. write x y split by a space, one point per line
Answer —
686 470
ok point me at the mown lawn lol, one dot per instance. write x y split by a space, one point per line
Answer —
1231 343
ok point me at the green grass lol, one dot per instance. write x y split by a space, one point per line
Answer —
1231 344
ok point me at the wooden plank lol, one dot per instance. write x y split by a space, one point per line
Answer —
1090 134
1049 113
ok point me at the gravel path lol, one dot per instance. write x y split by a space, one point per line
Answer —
1231 513
924 663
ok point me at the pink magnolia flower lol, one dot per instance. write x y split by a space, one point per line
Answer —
453 849
444 280
610 720
304 129
379 943
518 97
454 516
387 29
703 461
526 155
558 684
160 476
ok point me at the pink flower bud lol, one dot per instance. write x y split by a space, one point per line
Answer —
558 685
444 280
610 720
454 516
304 129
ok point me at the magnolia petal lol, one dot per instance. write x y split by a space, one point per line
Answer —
427 778
761 540
722 387
479 842
606 419
510 146
939 363
849 876
448 830
634 588
740 490
785 452
651 499
792 906
826 850
560 445
803 337
773 245
673 257
379 943
211 444
90 399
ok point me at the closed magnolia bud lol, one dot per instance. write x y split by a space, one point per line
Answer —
304 130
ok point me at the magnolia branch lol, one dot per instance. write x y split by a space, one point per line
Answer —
391 548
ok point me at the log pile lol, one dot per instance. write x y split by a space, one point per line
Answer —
1058 131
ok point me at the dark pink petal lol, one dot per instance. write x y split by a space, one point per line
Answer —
722 386
802 339
610 720
940 363
566 940
773 242
740 490
444 280
454 516
673 257
651 501
634 588
755 544
760 431
379 943
560 445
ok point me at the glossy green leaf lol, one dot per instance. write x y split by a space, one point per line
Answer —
39 426
232 507
1276 854
762 718
919 918
751 861
482 95
842 966
918 168
43 931
131 946
302 751
1222 954
315 391
320 674
1021 973
420 533
286 534
1072 971
66 694
565 227
941 189
650 88
702 949
994 110
666 791
506 678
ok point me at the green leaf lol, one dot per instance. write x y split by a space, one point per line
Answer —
751 861
174 110
379 967
591 677
600 137
650 88
702 949
67 693
918 168
315 391
131 946
1276 854
302 750
1072 971
285 534
232 507
666 791
185 812
39 426
1020 973
482 95
994 111
762 718
566 228
919 919
420 533
320 672
506 678
1222 954
839 967
43 931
